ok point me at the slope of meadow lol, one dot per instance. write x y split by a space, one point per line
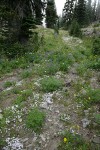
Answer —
49 99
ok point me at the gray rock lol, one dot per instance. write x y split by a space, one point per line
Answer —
42 137
24 140
44 105
85 122
96 140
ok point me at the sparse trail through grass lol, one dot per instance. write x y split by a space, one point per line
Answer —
49 101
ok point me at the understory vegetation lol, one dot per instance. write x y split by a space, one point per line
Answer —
67 69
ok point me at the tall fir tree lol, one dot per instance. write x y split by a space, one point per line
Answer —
80 12
19 16
89 11
68 12
51 14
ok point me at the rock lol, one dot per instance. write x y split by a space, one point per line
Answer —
57 111
49 101
20 120
96 140
19 83
85 122
8 89
34 139
44 105
29 147
24 140
0 111
42 137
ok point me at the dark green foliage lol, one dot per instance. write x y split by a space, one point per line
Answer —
51 15
94 64
35 120
96 46
75 29
13 50
16 20
8 84
80 12
68 12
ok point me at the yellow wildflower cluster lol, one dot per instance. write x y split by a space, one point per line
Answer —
65 140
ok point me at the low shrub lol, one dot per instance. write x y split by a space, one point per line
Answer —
75 29
96 46
26 74
92 96
51 84
23 96
72 141
35 120
8 84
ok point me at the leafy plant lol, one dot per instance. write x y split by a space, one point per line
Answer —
8 84
23 97
72 141
35 120
26 74
90 97
75 29
97 118
51 84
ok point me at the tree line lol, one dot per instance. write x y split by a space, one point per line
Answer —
83 11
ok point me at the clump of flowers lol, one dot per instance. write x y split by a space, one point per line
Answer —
65 140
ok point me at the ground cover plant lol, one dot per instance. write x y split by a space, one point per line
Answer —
51 84
35 120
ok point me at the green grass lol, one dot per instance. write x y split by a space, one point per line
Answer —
8 84
26 74
35 120
23 97
91 97
51 84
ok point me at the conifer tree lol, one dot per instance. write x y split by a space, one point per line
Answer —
51 14
80 12
68 12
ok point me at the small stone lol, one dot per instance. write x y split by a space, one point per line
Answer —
44 105
85 122
57 111
34 139
49 120
19 83
42 137
25 140
49 101
0 111
20 120
96 140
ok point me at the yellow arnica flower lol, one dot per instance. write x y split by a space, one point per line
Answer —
65 140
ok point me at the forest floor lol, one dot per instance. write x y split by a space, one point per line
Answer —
63 83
